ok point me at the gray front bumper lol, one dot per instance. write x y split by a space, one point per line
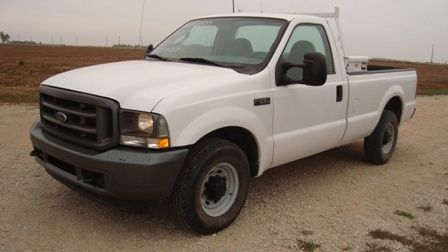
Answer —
122 172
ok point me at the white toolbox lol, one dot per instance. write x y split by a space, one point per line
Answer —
355 64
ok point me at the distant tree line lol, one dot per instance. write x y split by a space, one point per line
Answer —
127 46
4 37
7 39
26 42
122 45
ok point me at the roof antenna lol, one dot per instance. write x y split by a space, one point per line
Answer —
432 53
141 25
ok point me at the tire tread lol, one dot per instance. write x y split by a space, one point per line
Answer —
372 143
196 158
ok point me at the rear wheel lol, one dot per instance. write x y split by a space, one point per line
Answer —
213 186
380 145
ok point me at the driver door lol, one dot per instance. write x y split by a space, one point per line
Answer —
308 119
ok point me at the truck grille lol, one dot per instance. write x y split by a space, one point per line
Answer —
82 119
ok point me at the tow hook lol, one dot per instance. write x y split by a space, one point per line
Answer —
35 153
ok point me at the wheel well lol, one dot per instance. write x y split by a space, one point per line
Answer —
395 106
244 139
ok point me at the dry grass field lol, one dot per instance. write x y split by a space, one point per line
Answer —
23 68
432 78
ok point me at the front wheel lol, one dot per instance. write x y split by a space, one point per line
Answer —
380 145
212 189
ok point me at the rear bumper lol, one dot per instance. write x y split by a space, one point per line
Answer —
122 172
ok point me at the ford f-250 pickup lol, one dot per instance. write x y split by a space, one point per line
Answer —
218 102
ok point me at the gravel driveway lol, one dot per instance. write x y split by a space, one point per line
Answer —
327 202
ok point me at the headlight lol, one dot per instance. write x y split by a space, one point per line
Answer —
144 130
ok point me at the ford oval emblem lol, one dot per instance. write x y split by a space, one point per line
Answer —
60 117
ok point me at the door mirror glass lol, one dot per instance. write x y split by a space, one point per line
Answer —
294 73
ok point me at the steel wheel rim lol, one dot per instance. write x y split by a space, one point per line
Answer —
212 188
388 138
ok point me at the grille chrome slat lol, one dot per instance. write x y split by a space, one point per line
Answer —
87 120
69 111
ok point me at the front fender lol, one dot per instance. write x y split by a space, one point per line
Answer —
216 119
222 117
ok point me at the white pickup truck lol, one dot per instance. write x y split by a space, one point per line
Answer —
218 102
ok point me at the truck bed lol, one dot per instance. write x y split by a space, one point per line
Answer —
370 91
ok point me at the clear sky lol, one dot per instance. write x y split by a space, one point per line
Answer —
396 29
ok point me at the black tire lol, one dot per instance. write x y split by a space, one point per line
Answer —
380 145
192 195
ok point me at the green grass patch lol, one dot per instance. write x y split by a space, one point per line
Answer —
307 232
426 208
386 235
372 247
404 214
307 246
432 241
429 240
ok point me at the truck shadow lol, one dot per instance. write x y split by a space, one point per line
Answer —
157 216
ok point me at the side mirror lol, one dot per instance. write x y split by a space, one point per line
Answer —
149 49
313 71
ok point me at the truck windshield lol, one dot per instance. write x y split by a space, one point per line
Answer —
229 42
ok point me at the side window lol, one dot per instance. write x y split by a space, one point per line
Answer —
305 39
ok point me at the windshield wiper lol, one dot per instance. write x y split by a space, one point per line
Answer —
202 60
155 56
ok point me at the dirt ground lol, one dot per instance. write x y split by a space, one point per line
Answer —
332 201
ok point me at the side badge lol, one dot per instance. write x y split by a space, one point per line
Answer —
262 101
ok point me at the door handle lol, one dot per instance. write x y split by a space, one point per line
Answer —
339 93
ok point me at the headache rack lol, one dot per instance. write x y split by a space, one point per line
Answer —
86 120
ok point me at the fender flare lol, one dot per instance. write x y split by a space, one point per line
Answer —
394 91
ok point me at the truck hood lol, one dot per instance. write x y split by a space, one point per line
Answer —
139 85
